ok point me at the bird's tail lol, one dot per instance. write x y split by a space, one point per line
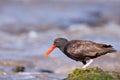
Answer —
109 48
105 49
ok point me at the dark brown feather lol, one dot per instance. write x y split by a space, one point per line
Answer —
82 50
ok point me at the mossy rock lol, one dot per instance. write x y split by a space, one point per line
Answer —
93 74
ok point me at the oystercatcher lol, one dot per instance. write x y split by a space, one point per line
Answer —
81 50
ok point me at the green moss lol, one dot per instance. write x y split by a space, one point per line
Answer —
93 74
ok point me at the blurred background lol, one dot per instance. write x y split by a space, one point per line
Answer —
28 28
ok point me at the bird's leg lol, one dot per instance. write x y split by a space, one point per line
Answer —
90 61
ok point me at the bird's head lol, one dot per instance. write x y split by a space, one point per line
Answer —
58 42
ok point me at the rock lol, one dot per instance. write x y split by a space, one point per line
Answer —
19 69
93 74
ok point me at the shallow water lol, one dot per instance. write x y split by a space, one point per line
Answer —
28 28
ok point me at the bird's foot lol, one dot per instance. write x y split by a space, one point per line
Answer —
84 67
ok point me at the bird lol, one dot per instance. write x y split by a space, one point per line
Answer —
81 50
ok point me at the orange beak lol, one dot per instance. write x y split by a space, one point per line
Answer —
50 50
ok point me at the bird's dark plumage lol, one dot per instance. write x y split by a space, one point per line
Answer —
82 50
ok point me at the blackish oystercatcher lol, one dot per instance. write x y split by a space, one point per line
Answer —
81 50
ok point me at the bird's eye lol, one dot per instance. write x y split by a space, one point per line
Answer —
57 41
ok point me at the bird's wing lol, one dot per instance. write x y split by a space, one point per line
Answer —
85 48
